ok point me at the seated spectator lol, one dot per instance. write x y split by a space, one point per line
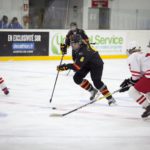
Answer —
4 22
15 24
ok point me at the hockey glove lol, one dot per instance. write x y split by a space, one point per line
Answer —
64 67
126 84
63 48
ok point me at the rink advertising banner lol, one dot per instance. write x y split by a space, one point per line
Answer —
24 43
108 42
105 42
57 37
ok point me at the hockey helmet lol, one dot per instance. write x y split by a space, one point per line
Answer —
133 47
73 25
76 38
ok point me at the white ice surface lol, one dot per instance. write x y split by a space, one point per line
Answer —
25 122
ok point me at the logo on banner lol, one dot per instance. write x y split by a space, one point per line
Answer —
57 39
23 46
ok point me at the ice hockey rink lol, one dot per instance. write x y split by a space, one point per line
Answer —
26 124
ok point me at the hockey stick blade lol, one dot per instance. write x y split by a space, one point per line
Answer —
89 103
56 115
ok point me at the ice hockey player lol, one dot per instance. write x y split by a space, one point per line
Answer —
74 30
87 61
139 83
3 86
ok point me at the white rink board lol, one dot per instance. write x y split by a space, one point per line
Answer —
108 42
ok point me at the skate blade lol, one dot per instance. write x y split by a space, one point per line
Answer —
96 96
113 104
145 119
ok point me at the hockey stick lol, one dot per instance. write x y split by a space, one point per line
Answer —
91 102
68 72
56 79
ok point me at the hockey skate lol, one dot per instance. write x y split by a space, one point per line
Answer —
6 91
146 113
112 102
94 94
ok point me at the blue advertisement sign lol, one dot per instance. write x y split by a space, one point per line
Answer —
24 43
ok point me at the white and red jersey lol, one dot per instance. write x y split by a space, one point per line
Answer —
139 64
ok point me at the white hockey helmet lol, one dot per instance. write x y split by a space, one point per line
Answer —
133 47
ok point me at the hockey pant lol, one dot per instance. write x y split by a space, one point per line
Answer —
96 74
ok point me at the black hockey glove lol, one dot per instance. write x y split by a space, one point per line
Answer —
126 84
63 48
64 67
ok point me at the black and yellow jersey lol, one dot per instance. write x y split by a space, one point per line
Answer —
86 56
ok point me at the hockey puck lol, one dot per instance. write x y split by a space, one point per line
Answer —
53 108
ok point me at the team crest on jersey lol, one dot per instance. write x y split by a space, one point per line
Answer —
81 59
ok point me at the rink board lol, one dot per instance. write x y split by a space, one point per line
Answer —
20 45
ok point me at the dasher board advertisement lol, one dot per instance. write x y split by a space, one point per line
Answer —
24 43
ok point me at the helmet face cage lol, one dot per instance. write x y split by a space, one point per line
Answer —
132 47
75 41
76 38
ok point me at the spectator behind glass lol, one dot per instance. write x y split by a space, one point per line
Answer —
15 24
4 22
